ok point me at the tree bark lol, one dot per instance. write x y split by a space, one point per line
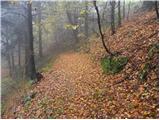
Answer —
99 25
113 3
119 13
31 63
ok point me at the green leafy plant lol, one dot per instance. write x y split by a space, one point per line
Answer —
144 72
113 65
154 48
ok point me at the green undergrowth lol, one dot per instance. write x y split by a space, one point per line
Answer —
144 72
113 65
153 49
47 67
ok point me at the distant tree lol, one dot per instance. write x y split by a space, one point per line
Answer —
129 5
104 21
40 29
123 9
86 19
72 18
119 13
113 3
99 25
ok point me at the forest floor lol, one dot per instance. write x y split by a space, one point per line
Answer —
76 87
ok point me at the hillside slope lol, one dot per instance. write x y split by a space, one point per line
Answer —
76 87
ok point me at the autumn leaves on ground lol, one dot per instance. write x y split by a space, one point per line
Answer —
76 87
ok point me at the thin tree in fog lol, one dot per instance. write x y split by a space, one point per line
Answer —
73 20
124 9
113 3
119 13
39 30
100 30
86 19
129 5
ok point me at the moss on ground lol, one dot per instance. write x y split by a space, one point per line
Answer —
113 65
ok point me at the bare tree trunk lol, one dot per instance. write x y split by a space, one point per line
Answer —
40 30
13 65
8 59
157 9
26 54
113 3
129 5
119 13
123 9
19 58
86 19
31 62
99 25
19 53
104 21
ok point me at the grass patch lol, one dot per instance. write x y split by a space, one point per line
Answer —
113 65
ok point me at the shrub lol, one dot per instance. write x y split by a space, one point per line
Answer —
113 65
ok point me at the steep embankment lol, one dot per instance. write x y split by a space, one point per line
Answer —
75 87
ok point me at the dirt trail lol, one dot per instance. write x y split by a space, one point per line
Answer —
71 74
67 88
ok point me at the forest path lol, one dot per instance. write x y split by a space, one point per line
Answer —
73 88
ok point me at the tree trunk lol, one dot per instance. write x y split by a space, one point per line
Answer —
19 53
26 55
157 8
124 9
113 3
104 22
99 25
13 65
31 62
19 58
86 19
8 59
119 13
40 30
129 5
